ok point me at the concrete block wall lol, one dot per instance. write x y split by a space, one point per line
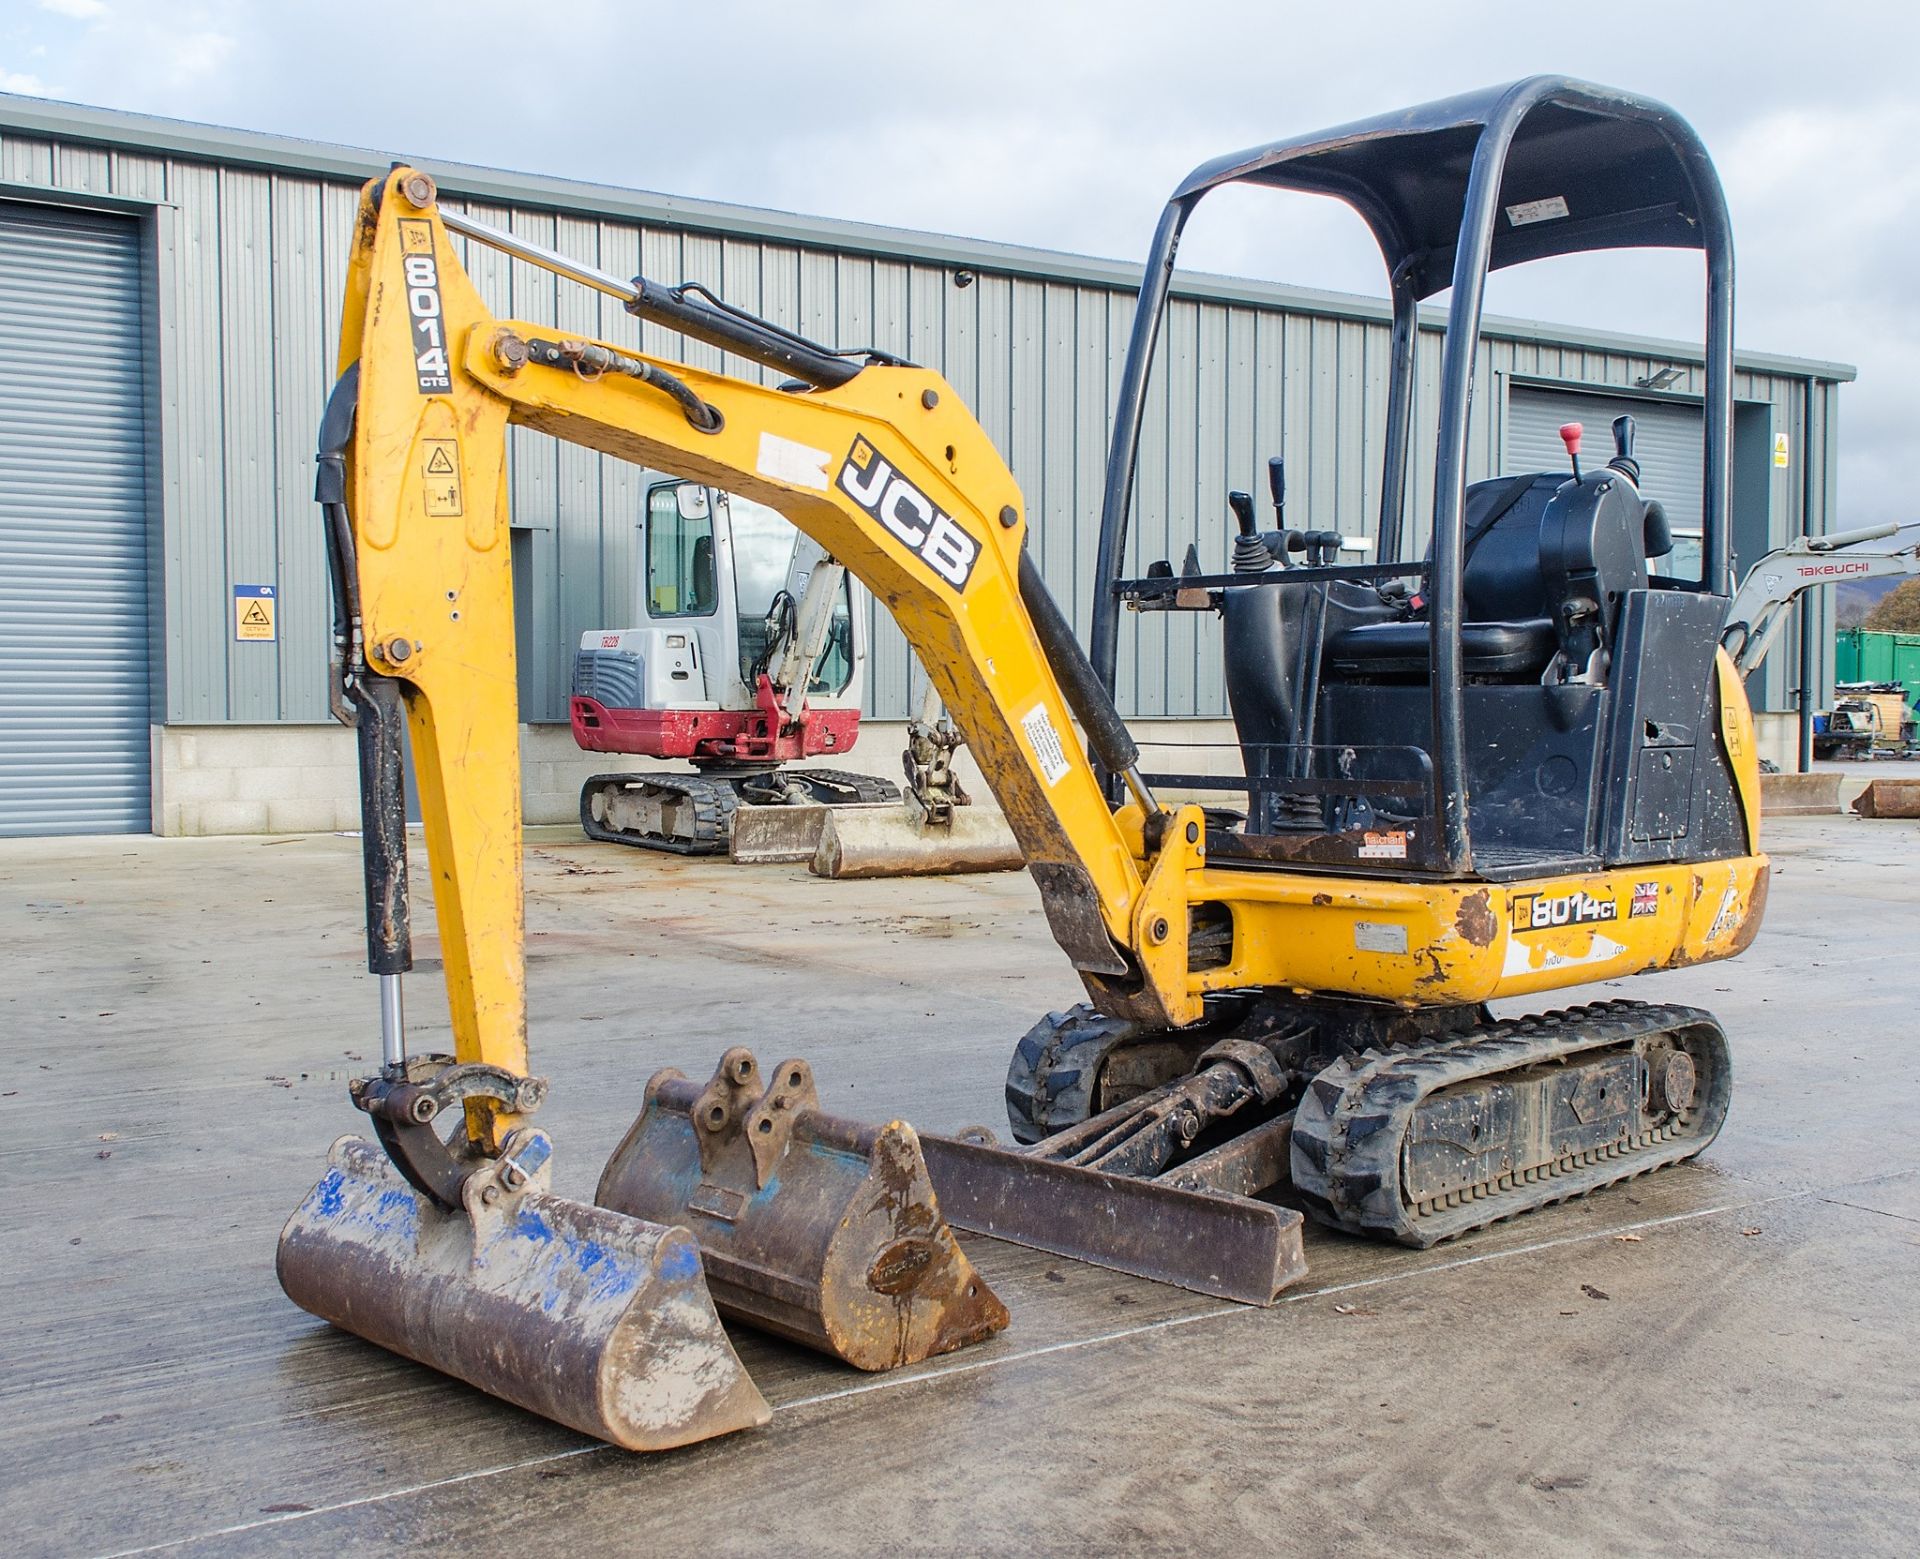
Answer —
1777 735
294 779
255 779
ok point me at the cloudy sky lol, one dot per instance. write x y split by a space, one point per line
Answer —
1065 125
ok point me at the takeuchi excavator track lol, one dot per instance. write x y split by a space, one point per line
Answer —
1424 1143
692 814
688 814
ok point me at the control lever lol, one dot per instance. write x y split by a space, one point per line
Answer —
1277 485
1250 553
1322 546
1570 436
1623 460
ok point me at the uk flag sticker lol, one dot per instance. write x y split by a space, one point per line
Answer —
1646 899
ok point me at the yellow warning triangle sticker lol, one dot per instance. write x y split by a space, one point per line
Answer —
256 616
437 463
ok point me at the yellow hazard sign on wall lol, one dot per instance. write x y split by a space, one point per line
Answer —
254 614
1781 450
440 472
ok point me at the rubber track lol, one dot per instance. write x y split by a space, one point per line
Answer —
865 787
714 802
1355 1116
1051 1076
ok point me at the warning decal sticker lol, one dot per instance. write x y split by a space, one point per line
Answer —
1531 211
254 617
440 475
1385 845
1045 741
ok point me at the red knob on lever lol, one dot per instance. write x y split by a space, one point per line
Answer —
1570 436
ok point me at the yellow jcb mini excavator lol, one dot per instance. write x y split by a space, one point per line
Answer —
1513 762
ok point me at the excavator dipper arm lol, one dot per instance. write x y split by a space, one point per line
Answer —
887 471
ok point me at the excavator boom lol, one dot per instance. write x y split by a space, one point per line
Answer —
887 471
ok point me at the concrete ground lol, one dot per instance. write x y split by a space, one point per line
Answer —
1717 1359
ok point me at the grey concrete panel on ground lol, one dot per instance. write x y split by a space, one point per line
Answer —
1718 1357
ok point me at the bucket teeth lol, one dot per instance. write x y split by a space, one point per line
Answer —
818 1228
589 1317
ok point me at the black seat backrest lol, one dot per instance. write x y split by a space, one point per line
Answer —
1501 580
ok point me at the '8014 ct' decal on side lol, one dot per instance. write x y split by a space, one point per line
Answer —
871 480
1538 911
422 273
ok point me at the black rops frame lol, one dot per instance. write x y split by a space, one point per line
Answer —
1435 184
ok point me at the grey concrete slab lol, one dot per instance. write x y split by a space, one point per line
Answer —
179 1019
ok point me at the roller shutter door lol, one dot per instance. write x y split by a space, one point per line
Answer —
74 648
1669 443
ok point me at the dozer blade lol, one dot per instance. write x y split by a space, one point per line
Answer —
821 1229
598 1321
765 836
887 842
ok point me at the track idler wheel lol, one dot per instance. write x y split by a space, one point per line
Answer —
821 1229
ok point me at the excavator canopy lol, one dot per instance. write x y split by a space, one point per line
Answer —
1588 168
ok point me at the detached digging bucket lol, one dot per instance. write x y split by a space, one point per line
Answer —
597 1320
821 1229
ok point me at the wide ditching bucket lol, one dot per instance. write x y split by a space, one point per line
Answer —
888 841
824 1230
598 1320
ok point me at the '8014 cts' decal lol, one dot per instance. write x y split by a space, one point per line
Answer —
1539 911
422 273
870 479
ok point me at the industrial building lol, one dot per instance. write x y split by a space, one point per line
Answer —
169 296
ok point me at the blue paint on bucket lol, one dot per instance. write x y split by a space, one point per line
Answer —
679 1262
329 1196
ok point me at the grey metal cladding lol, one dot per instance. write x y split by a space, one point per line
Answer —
74 651
253 243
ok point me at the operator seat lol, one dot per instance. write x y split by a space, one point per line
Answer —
1508 629
1546 562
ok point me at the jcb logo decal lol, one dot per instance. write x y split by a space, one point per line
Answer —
422 274
870 480
1538 911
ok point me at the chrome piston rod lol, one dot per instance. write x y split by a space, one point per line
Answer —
393 1022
